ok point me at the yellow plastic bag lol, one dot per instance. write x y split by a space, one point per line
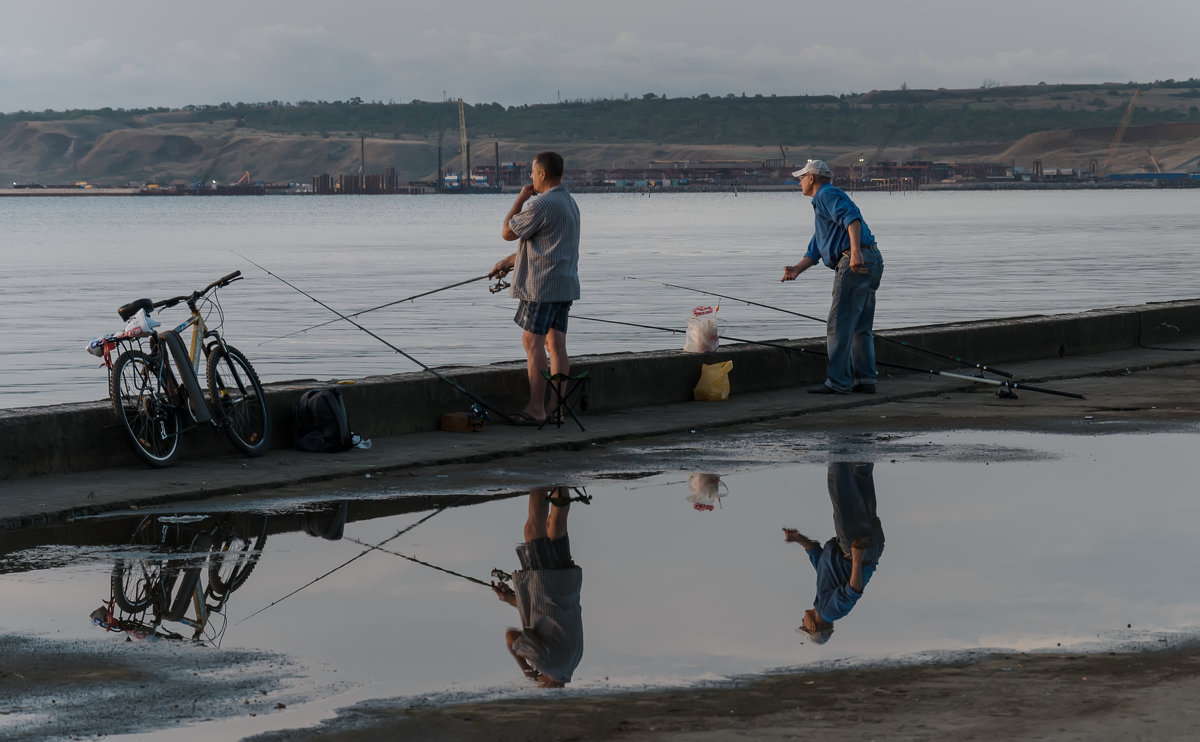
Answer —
714 382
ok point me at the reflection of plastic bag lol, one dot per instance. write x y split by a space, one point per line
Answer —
705 490
702 333
714 382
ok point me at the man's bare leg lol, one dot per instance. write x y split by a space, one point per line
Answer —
535 523
556 523
559 361
535 363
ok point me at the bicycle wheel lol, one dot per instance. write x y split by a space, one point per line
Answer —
235 551
238 396
133 584
145 413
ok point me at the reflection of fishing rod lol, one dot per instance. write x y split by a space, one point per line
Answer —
418 561
1008 385
361 554
910 346
469 395
381 306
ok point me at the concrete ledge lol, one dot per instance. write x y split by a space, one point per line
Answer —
83 437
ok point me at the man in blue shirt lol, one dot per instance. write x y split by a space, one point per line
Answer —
842 241
845 563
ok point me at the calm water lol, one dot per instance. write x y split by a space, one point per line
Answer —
70 262
1035 546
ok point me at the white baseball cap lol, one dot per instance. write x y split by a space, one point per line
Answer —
816 167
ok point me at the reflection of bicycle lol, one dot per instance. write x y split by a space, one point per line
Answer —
153 406
149 591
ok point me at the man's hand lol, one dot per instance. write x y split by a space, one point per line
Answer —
791 271
503 267
792 536
858 550
505 593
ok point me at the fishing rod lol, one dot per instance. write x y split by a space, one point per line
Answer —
654 327
381 306
361 554
1010 384
468 394
915 348
418 561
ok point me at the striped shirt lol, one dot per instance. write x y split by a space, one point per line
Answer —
551 620
547 265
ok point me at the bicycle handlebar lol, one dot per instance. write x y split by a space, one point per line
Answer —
217 284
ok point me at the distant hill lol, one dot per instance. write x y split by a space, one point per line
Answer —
1060 125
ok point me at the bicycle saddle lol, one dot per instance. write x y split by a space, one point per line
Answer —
132 308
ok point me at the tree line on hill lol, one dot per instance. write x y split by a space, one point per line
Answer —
987 114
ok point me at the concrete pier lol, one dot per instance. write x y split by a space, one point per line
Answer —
72 458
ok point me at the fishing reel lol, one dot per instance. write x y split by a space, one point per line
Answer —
1006 392
499 285
477 416
500 575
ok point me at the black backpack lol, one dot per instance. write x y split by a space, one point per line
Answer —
321 424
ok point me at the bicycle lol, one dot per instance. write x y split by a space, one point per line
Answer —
167 587
152 405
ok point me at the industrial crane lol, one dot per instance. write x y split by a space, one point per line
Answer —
465 183
1154 162
1116 142
887 137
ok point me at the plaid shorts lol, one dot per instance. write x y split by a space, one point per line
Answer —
542 553
539 317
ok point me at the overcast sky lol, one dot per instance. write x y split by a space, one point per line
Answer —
62 54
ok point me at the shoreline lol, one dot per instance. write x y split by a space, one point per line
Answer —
730 188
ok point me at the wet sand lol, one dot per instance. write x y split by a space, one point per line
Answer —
1007 696
84 690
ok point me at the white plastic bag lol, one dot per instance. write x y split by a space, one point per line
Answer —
705 490
703 335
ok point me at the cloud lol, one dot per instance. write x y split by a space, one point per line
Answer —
129 55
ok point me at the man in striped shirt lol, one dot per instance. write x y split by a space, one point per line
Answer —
545 592
545 275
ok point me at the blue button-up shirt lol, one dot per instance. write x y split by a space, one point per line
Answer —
835 598
834 213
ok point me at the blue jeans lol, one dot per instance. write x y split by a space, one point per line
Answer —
848 339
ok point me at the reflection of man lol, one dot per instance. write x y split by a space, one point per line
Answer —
846 562
545 592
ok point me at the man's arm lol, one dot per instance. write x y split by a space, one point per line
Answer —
854 230
511 636
857 554
526 193
791 271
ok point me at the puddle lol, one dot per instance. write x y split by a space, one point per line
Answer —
686 574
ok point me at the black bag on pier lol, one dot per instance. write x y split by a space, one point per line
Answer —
321 424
